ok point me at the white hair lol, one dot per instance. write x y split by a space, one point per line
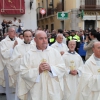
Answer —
59 35
11 28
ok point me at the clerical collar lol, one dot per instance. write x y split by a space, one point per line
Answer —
59 44
97 59
40 49
12 39
26 43
71 52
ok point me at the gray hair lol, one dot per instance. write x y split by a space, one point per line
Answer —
59 35
11 28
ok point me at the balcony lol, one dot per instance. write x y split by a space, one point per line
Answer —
88 5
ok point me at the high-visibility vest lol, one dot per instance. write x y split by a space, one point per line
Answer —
52 40
76 37
70 37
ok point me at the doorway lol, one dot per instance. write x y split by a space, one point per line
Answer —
89 24
62 24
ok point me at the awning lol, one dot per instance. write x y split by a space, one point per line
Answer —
91 17
12 7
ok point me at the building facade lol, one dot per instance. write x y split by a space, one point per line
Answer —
28 19
75 8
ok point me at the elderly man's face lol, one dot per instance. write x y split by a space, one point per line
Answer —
72 45
41 40
59 39
96 50
12 33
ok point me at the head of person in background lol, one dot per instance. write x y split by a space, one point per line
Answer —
78 33
4 21
49 35
67 34
82 33
11 32
39 28
59 38
15 18
47 31
54 31
21 36
19 20
44 29
92 34
41 40
72 33
86 31
27 35
96 49
53 34
10 22
65 30
72 45
60 31
33 33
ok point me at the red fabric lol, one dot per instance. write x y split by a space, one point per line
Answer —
12 6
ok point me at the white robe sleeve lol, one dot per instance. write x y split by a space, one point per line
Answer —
28 72
94 80
5 52
89 82
15 60
27 76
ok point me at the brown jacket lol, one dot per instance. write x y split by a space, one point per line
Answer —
88 48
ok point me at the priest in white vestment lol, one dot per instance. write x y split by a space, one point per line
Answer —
89 86
59 45
73 62
7 46
2 82
42 71
19 51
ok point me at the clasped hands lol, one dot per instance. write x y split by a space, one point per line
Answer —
73 72
44 67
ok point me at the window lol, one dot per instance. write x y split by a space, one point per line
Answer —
90 2
52 27
62 5
46 26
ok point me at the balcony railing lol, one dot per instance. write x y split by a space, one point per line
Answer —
90 5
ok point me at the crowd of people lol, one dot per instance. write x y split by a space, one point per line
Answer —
43 65
8 23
